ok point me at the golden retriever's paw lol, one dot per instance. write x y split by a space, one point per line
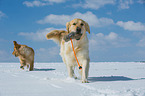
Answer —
76 77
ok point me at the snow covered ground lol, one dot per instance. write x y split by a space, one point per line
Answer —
50 79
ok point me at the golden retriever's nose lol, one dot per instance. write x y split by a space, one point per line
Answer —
78 30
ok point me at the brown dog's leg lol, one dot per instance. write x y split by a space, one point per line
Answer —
23 63
27 66
31 66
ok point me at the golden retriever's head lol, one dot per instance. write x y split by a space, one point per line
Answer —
16 49
78 26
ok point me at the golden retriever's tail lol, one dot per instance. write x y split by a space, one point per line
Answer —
56 35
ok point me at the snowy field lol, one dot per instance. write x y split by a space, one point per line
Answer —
50 79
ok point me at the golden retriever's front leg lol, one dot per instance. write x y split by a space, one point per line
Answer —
85 71
70 70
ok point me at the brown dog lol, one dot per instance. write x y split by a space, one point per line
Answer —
76 30
25 54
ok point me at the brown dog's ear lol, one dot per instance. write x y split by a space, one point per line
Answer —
16 45
87 27
67 26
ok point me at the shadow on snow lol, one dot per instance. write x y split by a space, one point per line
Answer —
43 69
111 78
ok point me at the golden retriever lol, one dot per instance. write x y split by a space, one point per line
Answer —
25 54
76 29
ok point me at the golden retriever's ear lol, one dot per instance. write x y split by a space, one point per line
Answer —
87 27
67 26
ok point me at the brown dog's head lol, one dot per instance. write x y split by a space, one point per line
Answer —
78 26
16 48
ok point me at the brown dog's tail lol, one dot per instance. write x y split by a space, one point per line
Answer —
56 35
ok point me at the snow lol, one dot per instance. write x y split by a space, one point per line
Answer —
51 79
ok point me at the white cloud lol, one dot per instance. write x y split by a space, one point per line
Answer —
55 1
141 36
2 40
141 1
55 19
3 55
131 25
124 4
6 56
44 54
40 35
109 13
2 52
112 36
2 14
36 36
38 3
141 42
112 40
94 4
34 3
89 17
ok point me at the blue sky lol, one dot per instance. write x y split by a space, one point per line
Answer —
117 27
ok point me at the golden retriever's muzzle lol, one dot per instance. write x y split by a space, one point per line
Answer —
78 30
78 33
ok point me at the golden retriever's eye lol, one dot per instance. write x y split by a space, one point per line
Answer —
74 23
82 24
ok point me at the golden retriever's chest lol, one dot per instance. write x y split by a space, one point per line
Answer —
80 47
68 46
